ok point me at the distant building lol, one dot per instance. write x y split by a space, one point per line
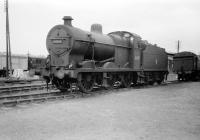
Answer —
170 61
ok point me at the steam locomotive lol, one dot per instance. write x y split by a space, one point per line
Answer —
187 66
91 59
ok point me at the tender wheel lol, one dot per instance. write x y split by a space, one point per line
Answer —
151 82
86 83
135 78
160 79
159 82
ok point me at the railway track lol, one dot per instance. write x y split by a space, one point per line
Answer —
44 95
32 97
21 88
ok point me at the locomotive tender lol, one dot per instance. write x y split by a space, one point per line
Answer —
93 58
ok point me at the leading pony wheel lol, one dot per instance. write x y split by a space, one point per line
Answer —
86 83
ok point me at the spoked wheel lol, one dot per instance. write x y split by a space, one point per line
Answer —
127 80
86 83
62 85
135 79
111 81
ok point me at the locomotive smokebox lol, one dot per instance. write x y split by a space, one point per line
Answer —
67 20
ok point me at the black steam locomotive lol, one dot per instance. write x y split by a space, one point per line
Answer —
94 59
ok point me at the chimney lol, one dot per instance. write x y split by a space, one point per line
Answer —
67 20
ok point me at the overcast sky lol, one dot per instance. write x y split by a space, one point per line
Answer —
161 22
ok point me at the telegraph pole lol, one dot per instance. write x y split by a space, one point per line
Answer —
178 47
8 48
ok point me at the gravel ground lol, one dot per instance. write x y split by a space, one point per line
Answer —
170 112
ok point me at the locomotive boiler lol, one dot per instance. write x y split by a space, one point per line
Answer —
91 59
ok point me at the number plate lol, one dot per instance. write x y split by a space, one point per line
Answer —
57 41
